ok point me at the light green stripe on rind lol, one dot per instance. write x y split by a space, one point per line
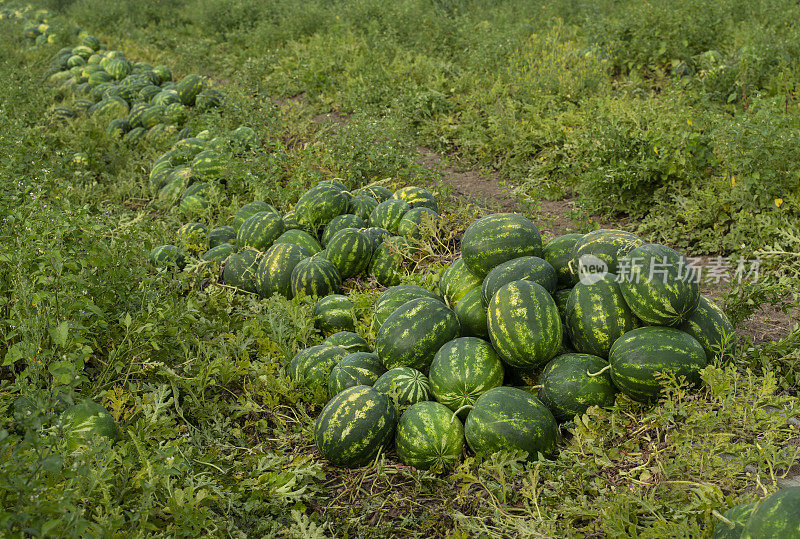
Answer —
406 385
356 369
260 230
456 280
713 330
463 370
315 276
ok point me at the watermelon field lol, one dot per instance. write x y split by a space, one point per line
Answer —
427 268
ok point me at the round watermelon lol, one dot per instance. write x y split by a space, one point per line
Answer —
219 253
315 276
240 270
472 315
362 205
524 324
220 235
249 210
317 206
417 197
392 298
638 355
354 426
350 341
417 220
570 385
274 273
334 313
260 230
290 221
498 238
376 236
775 517
350 251
378 192
463 370
356 369
413 333
301 238
165 256
311 367
341 222
713 330
456 280
599 251
88 422
429 437
388 214
406 386
391 260
507 419
658 285
524 268
193 237
189 87
558 253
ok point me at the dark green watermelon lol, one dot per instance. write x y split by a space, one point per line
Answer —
362 205
311 367
472 315
507 419
165 256
315 276
290 221
417 197
388 214
406 386
301 238
429 437
558 252
571 384
88 422
319 205
193 237
735 520
391 261
599 251
417 220
249 210
392 298
350 341
341 222
334 313
220 235
713 330
240 270
775 517
350 251
260 230
463 370
376 236
219 253
456 280
638 355
378 192
356 369
498 238
274 273
524 268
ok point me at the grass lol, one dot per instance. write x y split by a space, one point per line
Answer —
560 99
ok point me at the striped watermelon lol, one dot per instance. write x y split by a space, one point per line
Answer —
341 222
775 517
658 287
376 236
558 253
290 221
356 369
208 99
569 389
219 253
117 128
189 87
378 192
209 164
147 93
135 114
88 422
312 367
735 520
163 73
244 138
111 107
274 273
301 238
429 437
317 206
406 386
193 237
713 330
240 270
354 426
335 183
508 418
334 313
118 68
456 280
159 176
524 324
194 204
248 210
524 268
602 248
134 136
260 230
391 261
350 341
175 113
417 197
165 256
498 238
413 333
417 221
220 235
165 97
350 251
596 315
315 276
463 370
392 298
153 116
472 315
638 355
362 205
388 214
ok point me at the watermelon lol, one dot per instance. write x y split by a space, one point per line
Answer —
356 369
362 205
244 138
165 97
341 222
658 286
240 270
350 251
163 73
413 333
378 192
175 113
524 268
334 313
209 164
638 355
775 517
376 236
417 197
90 41
315 276
193 204
463 370
735 520
260 230
570 385
274 273
456 280
301 238
208 99
524 324
189 147
558 253
193 237
248 210
391 261
166 256
189 87
406 386
498 238
392 298
117 128
317 206
350 341
472 315
311 367
417 220
713 330
152 117
507 419
118 68
220 235
354 426
135 114
599 251
219 253
147 93
596 315
429 437
111 107
87 422
388 214
335 183
290 221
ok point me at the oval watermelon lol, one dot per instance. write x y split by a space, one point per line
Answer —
569 388
775 517
713 330
341 222
315 276
274 273
406 386
301 238
334 313
498 238
260 230
317 206
429 437
248 210
416 221
220 235
392 298
240 270
456 280
388 214
87 422
558 252
311 367
417 197
524 268
362 205
356 369
350 251
600 250
350 341
463 370
472 315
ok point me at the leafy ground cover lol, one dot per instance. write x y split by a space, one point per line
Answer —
689 138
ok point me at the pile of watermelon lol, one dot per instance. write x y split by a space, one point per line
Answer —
520 337
140 101
37 29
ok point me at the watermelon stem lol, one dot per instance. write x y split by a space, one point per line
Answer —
717 514
598 373
540 386
465 407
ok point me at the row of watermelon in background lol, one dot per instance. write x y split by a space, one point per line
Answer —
37 30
